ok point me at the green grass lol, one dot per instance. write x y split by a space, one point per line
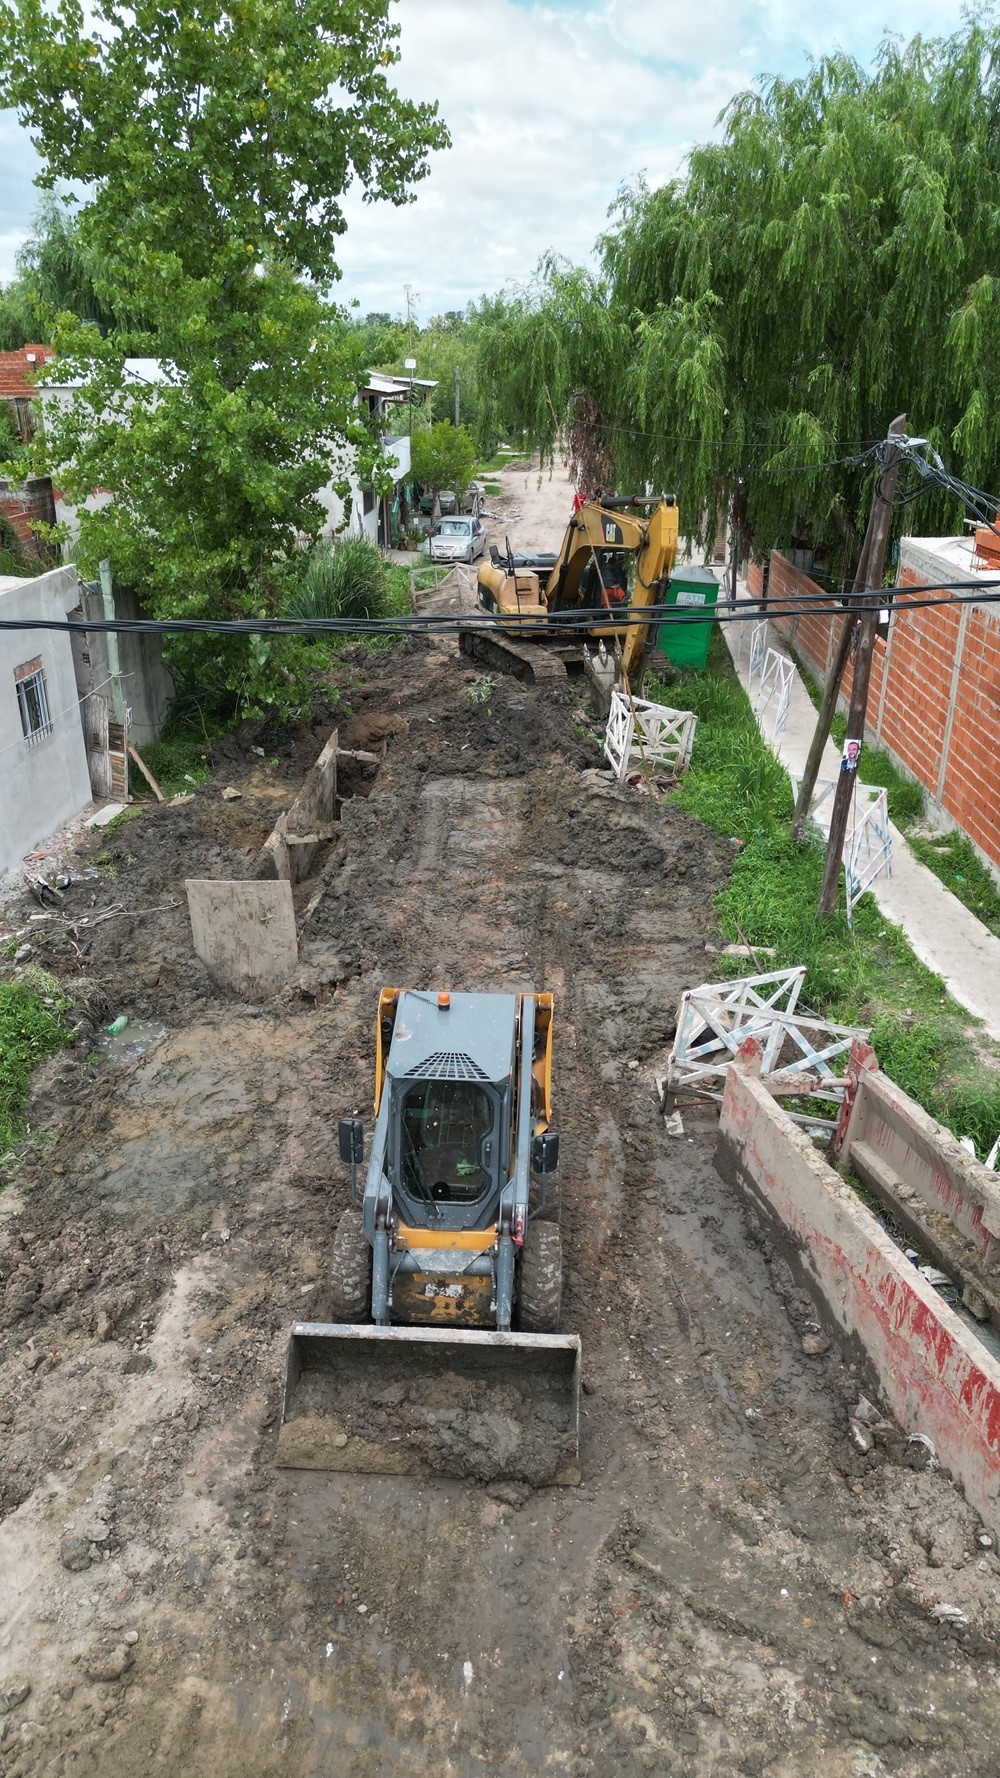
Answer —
501 460
180 758
864 976
32 1026
955 860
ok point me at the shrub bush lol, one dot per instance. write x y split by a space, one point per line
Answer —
346 578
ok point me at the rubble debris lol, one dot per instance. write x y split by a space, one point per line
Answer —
104 1665
74 1554
921 1440
942 1613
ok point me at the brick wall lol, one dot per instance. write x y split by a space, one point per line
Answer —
17 374
24 509
934 698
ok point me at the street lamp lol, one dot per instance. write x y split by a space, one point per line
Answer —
411 365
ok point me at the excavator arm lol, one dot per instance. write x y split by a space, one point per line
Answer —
616 553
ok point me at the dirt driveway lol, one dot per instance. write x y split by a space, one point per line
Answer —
732 1589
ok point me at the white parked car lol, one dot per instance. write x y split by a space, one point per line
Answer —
458 540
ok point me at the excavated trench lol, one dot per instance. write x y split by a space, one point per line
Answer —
733 1588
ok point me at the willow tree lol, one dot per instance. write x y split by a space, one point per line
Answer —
830 262
214 143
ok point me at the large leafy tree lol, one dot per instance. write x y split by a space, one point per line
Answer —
444 456
215 141
831 262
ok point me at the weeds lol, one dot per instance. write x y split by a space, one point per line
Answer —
953 858
481 690
347 578
866 975
32 1027
180 759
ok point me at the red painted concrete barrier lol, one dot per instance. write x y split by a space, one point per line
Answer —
935 1375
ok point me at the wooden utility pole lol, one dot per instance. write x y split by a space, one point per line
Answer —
867 625
458 394
869 572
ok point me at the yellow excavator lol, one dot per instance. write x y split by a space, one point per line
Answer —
615 562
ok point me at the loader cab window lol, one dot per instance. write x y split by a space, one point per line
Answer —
446 1152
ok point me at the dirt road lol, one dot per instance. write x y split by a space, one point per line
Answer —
733 1588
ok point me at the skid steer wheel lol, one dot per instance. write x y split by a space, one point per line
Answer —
351 1270
541 1278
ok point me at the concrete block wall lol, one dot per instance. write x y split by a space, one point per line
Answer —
46 781
934 701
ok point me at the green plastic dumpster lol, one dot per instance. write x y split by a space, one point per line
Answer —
686 644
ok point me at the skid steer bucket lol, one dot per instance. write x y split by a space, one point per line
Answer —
423 1401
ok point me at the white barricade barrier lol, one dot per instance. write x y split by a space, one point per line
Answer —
641 733
867 850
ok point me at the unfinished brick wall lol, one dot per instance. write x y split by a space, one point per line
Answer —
17 380
934 700
24 509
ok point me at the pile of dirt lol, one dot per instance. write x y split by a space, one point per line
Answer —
433 1417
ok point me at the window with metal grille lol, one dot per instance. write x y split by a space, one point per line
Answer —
32 700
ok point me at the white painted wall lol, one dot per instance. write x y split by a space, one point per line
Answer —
44 783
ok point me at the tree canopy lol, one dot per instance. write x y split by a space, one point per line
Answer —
215 143
829 263
444 456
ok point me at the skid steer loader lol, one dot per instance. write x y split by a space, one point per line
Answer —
446 1283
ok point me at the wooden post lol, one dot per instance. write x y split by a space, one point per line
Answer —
824 719
867 622
863 579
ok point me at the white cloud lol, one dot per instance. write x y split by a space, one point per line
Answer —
551 107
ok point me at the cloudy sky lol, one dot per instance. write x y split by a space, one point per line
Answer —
552 105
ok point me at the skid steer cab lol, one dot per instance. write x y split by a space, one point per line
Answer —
457 1222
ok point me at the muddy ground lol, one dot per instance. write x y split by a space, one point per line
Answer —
732 1589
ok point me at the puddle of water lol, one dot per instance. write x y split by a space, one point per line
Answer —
133 1042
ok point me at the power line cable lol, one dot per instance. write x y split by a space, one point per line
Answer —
580 618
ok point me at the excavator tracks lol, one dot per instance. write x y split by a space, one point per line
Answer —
534 664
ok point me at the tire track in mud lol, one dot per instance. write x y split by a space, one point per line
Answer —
714 1599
